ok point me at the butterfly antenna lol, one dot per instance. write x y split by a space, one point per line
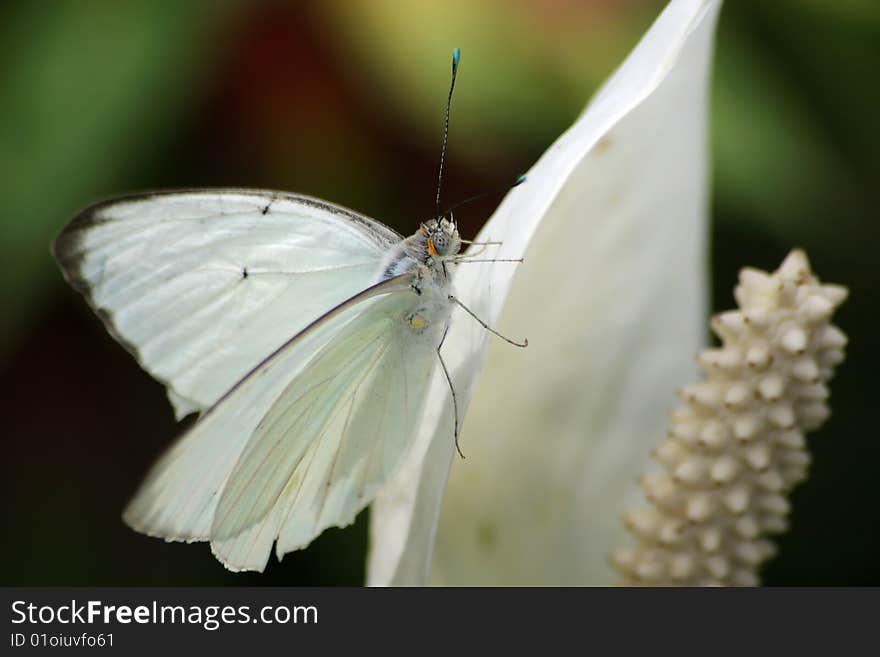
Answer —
477 197
456 56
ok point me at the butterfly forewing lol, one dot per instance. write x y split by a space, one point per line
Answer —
202 285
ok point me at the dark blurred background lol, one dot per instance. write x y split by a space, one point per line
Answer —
344 101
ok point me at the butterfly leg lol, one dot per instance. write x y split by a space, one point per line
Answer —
524 343
451 389
461 260
482 246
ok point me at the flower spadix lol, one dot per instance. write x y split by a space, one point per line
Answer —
736 446
611 223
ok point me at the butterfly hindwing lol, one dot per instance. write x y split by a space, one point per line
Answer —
304 441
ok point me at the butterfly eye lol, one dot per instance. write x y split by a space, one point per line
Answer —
440 242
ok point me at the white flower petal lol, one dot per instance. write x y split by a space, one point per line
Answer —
611 297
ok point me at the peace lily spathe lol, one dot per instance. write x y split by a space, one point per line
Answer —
611 223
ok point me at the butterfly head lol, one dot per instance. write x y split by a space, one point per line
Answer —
441 237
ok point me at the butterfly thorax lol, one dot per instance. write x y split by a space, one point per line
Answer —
426 254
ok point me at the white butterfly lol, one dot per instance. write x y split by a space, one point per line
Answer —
205 288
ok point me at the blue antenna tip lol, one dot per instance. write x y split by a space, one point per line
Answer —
456 55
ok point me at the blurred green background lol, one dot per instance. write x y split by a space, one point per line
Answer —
344 101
